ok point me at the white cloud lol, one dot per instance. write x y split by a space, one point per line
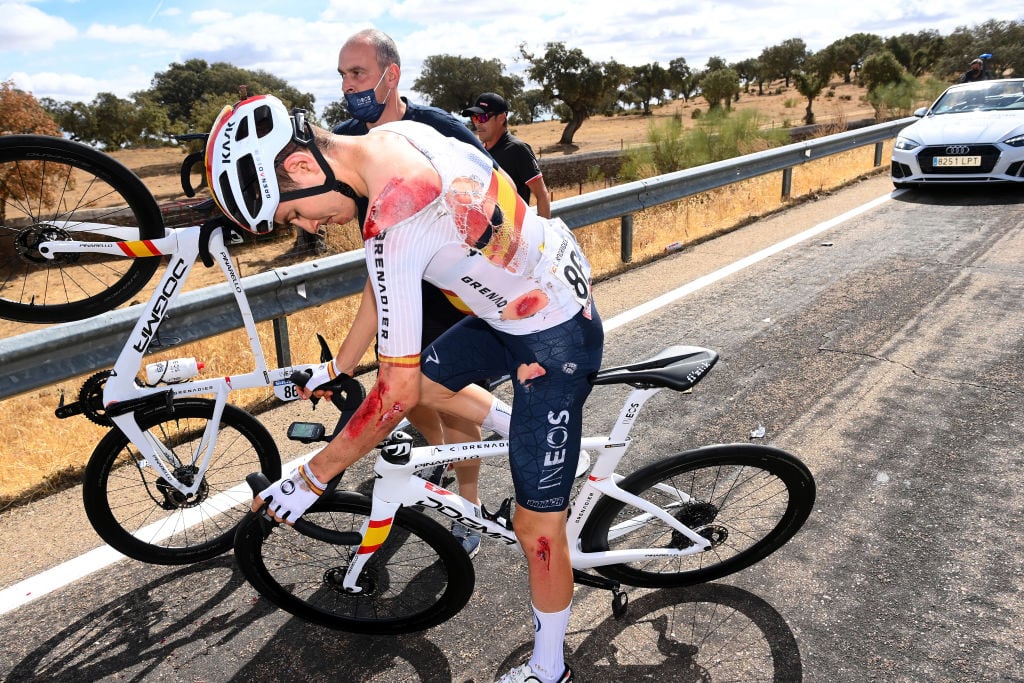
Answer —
25 27
133 34
358 13
209 16
68 86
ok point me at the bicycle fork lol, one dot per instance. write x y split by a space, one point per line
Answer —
375 531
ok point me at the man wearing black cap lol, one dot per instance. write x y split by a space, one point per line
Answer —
490 117
977 72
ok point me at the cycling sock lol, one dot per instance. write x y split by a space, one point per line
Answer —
499 417
548 658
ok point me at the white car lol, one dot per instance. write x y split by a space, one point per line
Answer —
974 133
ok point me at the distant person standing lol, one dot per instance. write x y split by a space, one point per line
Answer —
516 157
977 72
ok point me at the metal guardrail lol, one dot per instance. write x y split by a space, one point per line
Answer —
48 356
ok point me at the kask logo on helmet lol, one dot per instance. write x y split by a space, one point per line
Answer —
225 147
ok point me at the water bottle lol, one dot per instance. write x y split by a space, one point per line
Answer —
174 370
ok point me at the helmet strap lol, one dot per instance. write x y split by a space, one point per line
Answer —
331 183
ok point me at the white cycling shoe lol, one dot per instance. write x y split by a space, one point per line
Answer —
526 674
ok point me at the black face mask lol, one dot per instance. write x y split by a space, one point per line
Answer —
364 106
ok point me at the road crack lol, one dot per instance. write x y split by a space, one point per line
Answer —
916 373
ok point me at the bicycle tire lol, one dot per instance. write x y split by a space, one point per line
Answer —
136 512
418 578
749 499
53 189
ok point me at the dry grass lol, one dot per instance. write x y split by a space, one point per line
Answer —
40 454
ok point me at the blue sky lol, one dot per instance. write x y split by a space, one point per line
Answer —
74 49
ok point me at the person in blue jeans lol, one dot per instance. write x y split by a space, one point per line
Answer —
441 211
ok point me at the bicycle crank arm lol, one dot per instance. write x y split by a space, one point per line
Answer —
594 581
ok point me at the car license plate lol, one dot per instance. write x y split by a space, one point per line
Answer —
956 161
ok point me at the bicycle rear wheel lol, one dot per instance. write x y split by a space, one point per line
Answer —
747 499
418 578
53 189
134 509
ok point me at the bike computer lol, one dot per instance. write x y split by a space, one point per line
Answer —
306 432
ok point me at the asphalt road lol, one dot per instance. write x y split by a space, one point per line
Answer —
886 351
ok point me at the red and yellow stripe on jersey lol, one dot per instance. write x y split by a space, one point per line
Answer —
412 361
504 243
455 301
139 248
376 533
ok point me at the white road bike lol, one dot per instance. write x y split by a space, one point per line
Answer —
79 235
383 564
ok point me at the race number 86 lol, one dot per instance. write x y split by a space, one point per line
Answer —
573 273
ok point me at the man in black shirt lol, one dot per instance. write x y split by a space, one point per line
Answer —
490 117
977 72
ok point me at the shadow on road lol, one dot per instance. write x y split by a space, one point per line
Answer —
710 632
964 195
131 636
198 622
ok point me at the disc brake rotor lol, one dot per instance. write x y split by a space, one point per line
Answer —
28 241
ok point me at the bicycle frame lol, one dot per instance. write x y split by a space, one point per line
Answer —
397 485
122 395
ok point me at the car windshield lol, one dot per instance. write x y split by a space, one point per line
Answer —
985 96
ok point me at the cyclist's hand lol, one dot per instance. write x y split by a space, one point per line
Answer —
321 374
288 499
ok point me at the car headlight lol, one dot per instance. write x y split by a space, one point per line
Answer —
1015 141
906 144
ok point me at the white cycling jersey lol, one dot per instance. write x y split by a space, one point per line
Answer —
479 243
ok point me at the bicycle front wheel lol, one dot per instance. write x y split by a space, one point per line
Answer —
52 190
418 578
748 500
134 509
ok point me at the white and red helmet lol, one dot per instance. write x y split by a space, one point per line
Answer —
240 152
243 145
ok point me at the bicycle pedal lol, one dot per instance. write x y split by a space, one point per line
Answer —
503 516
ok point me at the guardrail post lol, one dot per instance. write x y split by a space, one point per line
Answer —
787 182
281 346
626 249
878 153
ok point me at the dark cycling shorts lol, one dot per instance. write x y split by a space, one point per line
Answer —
547 415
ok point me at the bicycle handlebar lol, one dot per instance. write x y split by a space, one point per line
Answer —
347 393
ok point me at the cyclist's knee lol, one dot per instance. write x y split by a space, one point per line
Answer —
532 527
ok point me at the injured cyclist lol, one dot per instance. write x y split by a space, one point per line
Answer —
443 212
